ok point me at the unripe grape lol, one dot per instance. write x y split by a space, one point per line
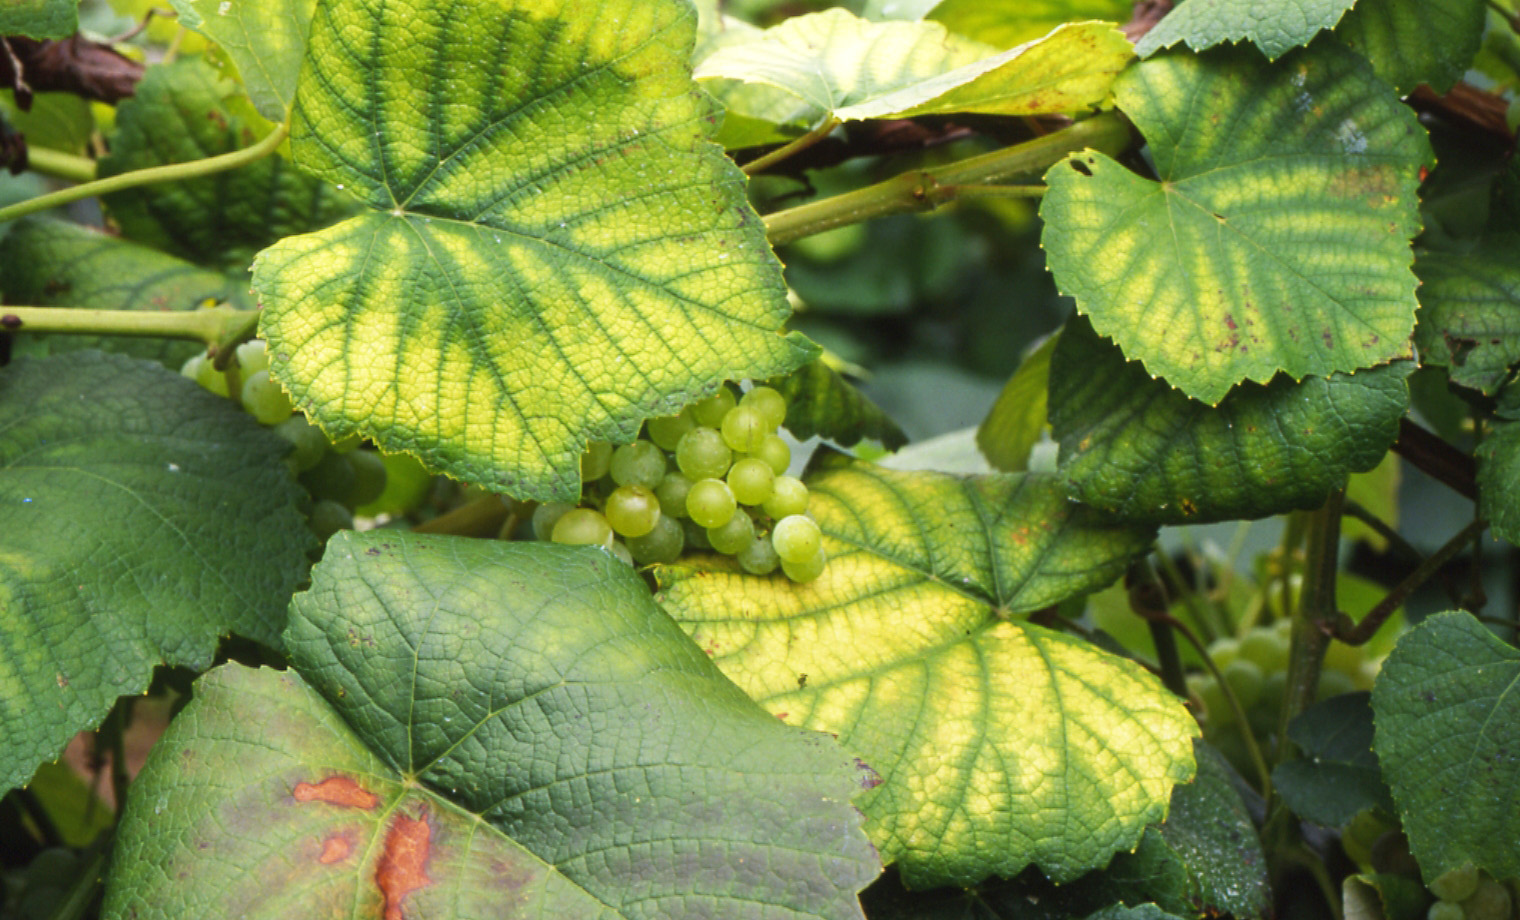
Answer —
769 403
307 440
710 503
1223 651
1245 679
253 356
632 511
192 366
775 452
805 569
1265 649
621 552
703 454
1347 659
732 536
1216 708
264 399
327 518
638 464
582 527
751 481
545 516
788 497
759 557
710 411
1333 683
668 430
796 538
744 430
332 478
1491 901
662 544
1456 884
1445 910
369 477
672 492
212 379
696 535
595 461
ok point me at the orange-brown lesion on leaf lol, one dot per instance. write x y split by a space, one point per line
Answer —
403 865
336 848
336 790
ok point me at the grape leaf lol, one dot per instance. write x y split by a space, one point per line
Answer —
62 121
1337 775
1275 29
1134 447
1015 422
821 402
39 19
1277 237
142 519
1499 481
265 39
488 729
1006 23
1410 42
185 111
835 65
1445 711
52 263
1000 743
552 250
1470 312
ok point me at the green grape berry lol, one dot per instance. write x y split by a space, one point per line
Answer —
332 477
595 461
1265 649
769 403
759 557
327 518
1445 910
668 430
253 356
632 510
775 452
308 443
696 535
265 400
805 570
796 538
582 527
212 379
369 477
622 552
1245 679
703 454
672 492
545 516
710 503
1216 708
710 411
638 464
1491 901
192 366
751 480
663 543
744 430
788 497
1223 651
1456 884
733 535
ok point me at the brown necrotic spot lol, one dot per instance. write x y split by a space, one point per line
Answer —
336 848
336 790
403 866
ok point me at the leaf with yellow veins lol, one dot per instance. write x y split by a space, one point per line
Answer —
552 251
1000 743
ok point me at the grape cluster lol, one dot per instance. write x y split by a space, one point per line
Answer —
1468 894
339 477
711 478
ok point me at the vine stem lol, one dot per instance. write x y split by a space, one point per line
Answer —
170 173
1314 618
212 326
60 165
797 145
1360 633
927 189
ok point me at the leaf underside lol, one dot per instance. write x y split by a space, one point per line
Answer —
1275 29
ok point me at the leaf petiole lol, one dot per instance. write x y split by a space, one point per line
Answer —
212 326
60 165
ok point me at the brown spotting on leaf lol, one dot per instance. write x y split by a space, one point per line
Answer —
403 867
336 790
336 848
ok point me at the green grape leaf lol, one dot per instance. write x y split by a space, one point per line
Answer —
835 65
1015 422
1410 42
1384 896
821 402
1276 30
1136 448
185 111
1137 912
1337 774
488 729
1000 743
61 121
1376 491
40 19
1006 23
1277 238
265 39
52 263
141 519
1445 710
1470 312
552 250
1499 481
